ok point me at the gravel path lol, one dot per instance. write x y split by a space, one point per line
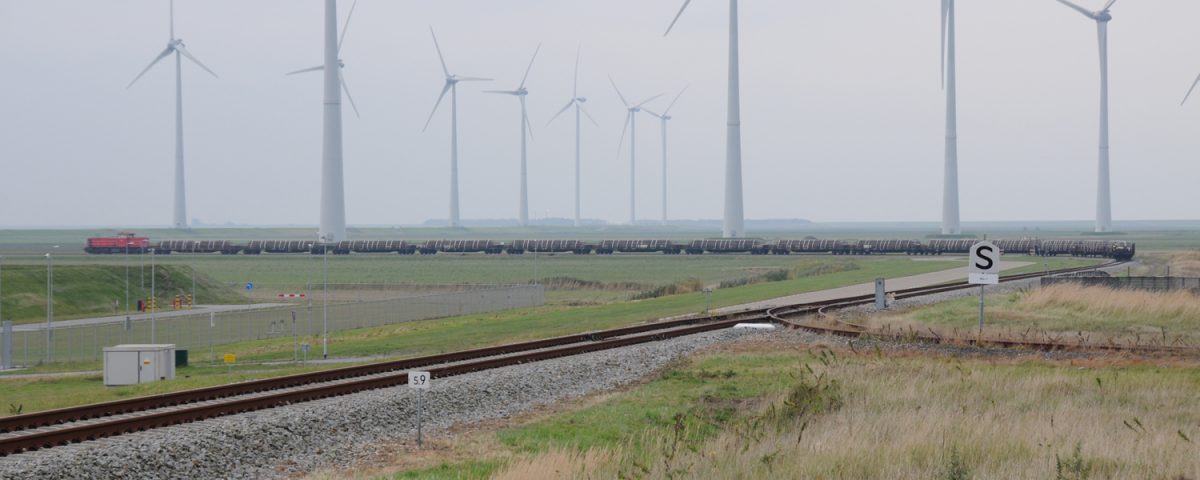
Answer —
337 432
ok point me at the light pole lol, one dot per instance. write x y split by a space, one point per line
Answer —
49 305
127 276
325 299
153 301
193 265
308 295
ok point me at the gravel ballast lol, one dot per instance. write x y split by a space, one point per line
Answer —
335 432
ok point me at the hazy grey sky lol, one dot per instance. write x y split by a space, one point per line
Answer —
842 111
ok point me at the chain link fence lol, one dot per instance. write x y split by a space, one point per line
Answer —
200 333
1135 283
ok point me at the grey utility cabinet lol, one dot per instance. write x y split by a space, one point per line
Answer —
139 363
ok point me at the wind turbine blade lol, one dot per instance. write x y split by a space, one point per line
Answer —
651 112
474 79
614 84
530 67
676 19
628 115
575 89
346 26
648 100
439 52
350 97
945 14
1084 11
560 112
506 92
1189 94
160 56
309 69
183 51
1108 5
172 19
438 103
676 99
589 116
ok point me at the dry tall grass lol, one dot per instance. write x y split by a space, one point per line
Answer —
1069 312
1106 302
930 418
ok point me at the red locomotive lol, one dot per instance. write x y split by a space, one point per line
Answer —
124 242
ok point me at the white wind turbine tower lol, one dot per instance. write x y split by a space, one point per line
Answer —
333 195
576 101
175 45
950 223
666 115
631 126
526 131
734 219
1103 199
452 87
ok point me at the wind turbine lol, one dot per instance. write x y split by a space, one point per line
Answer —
631 126
452 87
526 130
175 45
333 195
734 219
576 101
666 115
1185 97
1103 200
950 223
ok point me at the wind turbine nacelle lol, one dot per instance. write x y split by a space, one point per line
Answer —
581 99
1103 16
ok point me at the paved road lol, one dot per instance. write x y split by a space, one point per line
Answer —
913 281
200 309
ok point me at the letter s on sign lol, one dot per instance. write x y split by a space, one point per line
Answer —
984 254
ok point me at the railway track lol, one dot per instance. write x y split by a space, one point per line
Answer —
792 316
53 428
90 422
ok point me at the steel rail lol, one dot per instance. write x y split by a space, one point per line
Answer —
120 425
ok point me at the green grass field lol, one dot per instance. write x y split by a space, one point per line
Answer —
91 290
428 337
775 412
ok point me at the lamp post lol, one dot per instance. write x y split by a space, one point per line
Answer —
127 276
153 301
325 299
193 265
49 305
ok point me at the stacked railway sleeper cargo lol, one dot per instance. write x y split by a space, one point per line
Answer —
517 247
461 246
165 247
1115 249
808 245
607 247
753 247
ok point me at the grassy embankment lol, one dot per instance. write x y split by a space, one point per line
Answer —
422 338
91 290
774 412
1067 312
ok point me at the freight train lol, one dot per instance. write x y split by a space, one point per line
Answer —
1116 249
